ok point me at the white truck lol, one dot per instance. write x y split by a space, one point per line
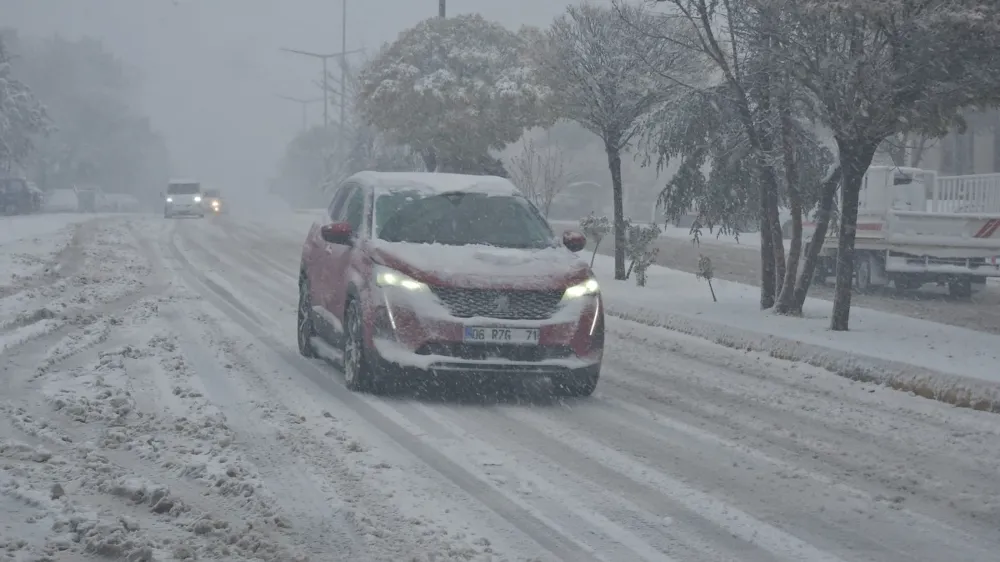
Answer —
915 227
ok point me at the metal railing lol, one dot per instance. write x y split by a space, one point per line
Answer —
966 194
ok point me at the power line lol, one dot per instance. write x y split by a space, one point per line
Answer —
326 75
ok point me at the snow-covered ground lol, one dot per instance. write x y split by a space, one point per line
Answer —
34 246
885 347
167 416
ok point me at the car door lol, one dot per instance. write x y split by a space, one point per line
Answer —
353 213
317 258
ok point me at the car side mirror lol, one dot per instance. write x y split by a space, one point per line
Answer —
574 241
337 233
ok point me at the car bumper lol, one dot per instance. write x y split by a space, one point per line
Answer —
185 210
571 342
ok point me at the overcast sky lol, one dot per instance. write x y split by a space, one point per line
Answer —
212 68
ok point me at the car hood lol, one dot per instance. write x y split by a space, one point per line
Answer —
478 266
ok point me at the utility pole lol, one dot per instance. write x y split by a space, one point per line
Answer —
343 71
441 9
326 75
304 104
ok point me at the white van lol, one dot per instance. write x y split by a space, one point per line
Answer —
183 198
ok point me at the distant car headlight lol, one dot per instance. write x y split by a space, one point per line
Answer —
215 203
197 199
170 199
588 287
385 277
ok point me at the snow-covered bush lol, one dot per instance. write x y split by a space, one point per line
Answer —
706 272
595 228
640 249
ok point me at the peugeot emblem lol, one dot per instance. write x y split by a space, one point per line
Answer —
502 304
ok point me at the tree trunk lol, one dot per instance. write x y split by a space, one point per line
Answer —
615 165
430 159
769 186
767 276
786 296
855 157
823 215
918 152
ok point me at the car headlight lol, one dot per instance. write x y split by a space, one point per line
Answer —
385 277
197 199
215 203
588 287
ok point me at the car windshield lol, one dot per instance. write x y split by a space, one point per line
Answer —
460 218
212 193
183 188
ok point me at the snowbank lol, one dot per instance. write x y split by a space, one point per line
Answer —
748 240
946 363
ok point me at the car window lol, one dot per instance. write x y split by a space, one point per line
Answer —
460 219
337 205
355 214
183 188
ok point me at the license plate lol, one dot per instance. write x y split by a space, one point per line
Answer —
520 336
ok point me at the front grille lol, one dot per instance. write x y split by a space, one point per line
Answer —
485 352
507 305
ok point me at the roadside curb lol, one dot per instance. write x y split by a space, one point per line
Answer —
964 392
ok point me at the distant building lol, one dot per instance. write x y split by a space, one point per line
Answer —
976 151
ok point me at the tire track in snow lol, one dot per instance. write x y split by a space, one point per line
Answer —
321 526
859 441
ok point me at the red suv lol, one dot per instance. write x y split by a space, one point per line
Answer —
447 275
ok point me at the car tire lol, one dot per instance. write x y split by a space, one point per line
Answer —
579 385
305 330
359 373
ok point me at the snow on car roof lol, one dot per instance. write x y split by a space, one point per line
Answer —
438 183
183 180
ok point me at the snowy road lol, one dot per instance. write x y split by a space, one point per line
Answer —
161 391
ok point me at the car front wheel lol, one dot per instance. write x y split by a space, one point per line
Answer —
305 331
359 375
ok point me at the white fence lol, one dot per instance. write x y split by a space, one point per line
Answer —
966 194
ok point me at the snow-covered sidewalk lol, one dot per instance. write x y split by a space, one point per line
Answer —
947 363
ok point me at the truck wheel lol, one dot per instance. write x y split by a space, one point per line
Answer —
960 288
863 274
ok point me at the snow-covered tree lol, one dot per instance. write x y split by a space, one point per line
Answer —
877 69
606 77
452 89
540 171
742 99
371 150
718 178
304 168
22 116
99 136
